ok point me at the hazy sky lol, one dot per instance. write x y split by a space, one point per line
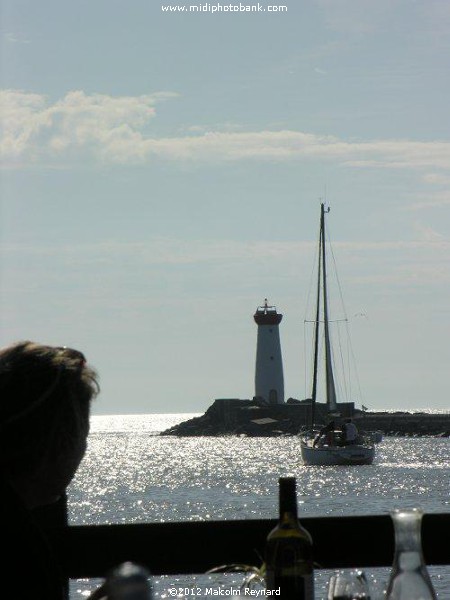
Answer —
162 174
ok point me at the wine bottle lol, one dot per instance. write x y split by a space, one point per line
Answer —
289 561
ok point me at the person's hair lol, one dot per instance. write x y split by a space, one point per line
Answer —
45 397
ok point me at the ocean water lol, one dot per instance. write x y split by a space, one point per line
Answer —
132 475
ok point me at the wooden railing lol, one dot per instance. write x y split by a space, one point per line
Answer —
194 547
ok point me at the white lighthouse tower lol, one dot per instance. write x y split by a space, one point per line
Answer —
269 381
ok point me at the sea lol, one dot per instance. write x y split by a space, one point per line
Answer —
131 474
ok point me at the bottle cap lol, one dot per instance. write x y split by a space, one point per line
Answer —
129 581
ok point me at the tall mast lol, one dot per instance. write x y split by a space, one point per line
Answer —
316 335
331 390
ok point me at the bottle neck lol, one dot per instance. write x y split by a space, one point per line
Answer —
407 525
288 498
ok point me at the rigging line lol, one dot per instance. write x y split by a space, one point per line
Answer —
344 378
344 385
329 321
337 276
310 286
336 371
358 383
322 363
305 365
306 354
309 374
309 368
321 371
355 367
310 353
350 348
345 319
350 379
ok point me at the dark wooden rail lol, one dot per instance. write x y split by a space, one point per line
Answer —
195 547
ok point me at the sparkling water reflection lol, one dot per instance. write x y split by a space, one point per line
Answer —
132 475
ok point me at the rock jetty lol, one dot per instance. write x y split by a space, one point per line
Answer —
255 418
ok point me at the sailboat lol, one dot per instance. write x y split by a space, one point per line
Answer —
331 449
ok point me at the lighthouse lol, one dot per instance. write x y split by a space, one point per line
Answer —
269 382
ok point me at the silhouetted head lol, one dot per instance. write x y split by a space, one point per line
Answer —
45 398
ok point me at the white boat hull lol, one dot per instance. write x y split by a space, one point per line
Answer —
356 454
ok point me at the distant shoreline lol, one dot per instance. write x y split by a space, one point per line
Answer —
432 411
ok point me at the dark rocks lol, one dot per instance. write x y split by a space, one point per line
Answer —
405 423
231 416
252 418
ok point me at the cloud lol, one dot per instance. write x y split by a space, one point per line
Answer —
436 18
163 251
428 234
14 38
33 128
433 200
166 251
354 16
113 130
177 270
437 179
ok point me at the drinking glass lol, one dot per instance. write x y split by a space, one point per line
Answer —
348 586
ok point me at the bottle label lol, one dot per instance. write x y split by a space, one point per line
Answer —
292 587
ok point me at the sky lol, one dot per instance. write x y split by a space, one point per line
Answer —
162 173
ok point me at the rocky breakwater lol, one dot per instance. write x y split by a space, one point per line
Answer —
254 418
405 423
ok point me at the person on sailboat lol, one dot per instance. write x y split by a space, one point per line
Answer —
350 432
325 435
